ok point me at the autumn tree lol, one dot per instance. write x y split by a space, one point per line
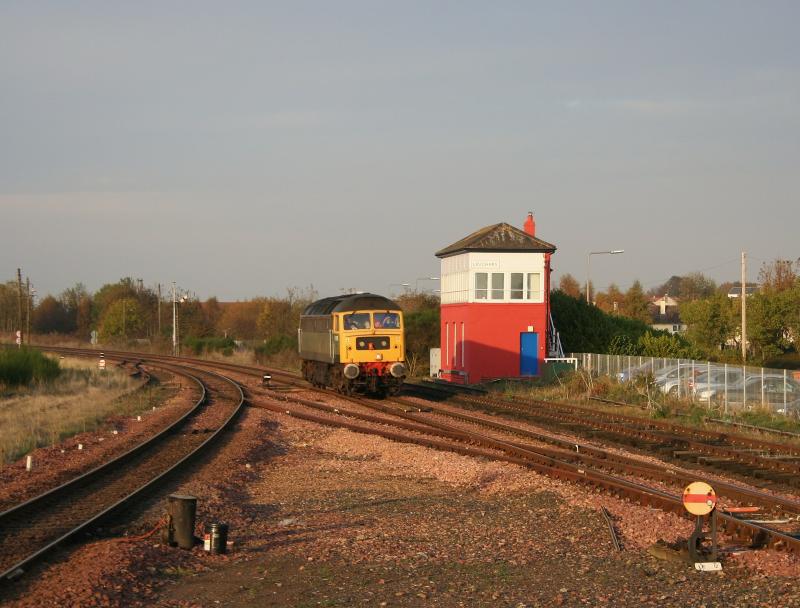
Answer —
570 286
51 316
779 275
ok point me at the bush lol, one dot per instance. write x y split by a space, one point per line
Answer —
275 345
206 345
22 367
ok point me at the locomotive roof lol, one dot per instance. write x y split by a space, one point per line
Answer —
351 301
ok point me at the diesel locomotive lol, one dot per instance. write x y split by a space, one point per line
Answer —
353 343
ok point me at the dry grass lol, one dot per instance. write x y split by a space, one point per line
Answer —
79 400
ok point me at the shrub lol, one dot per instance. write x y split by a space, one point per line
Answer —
22 367
275 345
207 345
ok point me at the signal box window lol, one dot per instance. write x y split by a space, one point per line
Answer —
498 285
534 286
357 320
387 320
481 285
516 286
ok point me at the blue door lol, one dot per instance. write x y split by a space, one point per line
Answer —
528 353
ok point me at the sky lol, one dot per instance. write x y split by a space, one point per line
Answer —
242 148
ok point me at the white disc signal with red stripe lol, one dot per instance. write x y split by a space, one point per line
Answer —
699 498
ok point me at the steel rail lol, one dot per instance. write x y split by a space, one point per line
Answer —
75 484
489 448
631 427
604 459
642 494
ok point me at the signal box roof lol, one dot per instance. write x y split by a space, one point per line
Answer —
498 237
350 301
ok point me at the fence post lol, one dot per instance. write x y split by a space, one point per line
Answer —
726 388
744 385
679 378
762 388
784 393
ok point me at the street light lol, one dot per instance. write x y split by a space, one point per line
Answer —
416 287
588 267
403 285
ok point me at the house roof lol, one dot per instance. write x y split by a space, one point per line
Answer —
736 289
497 237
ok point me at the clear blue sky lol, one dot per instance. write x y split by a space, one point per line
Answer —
240 148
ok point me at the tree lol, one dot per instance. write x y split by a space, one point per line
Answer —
51 316
711 322
695 286
122 318
570 286
771 316
635 306
779 275
612 301
665 345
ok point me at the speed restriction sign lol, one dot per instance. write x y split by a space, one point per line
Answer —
699 498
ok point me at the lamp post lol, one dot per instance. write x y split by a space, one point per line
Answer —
588 268
416 286
403 285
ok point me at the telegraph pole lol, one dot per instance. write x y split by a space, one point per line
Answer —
744 306
174 321
159 310
28 306
19 307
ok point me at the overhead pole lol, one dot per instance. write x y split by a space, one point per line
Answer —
159 310
28 306
22 336
174 320
744 306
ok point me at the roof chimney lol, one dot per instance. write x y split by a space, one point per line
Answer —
530 225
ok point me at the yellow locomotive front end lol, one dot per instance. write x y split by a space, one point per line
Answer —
372 347
353 343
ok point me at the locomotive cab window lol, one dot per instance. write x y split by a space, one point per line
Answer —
386 320
357 320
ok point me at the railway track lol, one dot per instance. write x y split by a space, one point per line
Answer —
777 463
393 420
31 529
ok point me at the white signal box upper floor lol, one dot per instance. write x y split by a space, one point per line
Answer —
497 264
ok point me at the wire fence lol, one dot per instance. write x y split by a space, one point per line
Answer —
721 386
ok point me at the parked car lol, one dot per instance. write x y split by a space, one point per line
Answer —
716 380
626 375
675 376
750 389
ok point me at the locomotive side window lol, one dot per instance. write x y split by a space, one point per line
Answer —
481 285
387 320
357 320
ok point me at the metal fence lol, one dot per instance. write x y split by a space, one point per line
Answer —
720 386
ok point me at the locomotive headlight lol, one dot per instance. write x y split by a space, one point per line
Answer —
379 357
